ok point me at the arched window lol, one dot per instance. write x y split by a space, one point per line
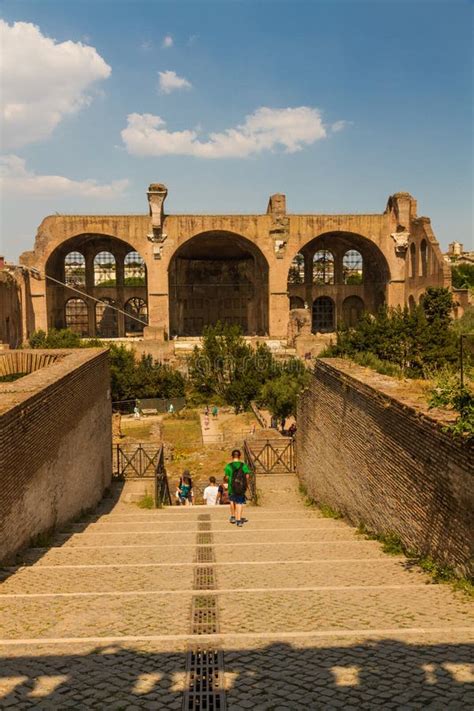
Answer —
106 319
412 260
296 302
134 270
76 316
105 273
136 308
423 258
352 267
323 267
352 310
75 269
296 272
323 315
411 303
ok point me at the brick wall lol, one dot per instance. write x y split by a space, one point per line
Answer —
380 458
55 445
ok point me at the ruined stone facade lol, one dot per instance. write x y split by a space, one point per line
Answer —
170 275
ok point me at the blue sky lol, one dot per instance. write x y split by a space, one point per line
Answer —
360 100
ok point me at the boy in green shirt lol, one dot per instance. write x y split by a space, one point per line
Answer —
236 473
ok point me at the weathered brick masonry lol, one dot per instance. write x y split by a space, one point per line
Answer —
55 445
384 462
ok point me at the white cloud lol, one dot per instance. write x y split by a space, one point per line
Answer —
167 42
340 126
266 129
42 81
169 81
16 178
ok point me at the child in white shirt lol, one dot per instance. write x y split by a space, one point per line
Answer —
211 492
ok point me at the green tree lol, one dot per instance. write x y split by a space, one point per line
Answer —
280 395
463 276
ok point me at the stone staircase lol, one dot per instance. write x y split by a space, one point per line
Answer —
132 608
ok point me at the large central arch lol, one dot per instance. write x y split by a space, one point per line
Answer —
218 276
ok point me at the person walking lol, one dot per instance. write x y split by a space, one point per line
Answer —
215 412
237 476
184 492
211 492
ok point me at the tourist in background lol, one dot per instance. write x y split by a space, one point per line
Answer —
184 492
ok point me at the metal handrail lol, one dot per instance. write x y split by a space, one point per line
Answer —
162 489
250 462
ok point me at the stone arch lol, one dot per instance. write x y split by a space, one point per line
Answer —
353 267
412 266
367 263
134 272
75 269
296 302
423 258
105 269
76 316
136 308
352 309
296 273
323 267
106 322
218 276
323 315
105 262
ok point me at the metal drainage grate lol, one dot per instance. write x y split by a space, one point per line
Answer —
204 539
205 554
204 619
204 517
204 526
205 681
204 578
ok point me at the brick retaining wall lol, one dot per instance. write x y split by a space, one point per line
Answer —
381 460
55 445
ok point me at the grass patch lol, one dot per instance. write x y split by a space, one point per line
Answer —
146 502
391 542
445 574
328 512
181 432
137 430
393 545
325 510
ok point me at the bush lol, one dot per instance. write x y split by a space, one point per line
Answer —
226 369
463 276
130 379
448 393
409 340
55 338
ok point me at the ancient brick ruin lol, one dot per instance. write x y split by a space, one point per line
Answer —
278 275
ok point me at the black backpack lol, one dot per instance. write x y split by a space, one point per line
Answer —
239 481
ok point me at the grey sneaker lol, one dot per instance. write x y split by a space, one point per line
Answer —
240 524
232 519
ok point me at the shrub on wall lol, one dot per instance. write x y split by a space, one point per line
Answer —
130 379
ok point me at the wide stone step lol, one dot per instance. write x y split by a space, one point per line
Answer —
40 580
219 538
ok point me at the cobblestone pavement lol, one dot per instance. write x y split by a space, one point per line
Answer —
311 615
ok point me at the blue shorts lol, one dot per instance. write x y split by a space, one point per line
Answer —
236 499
